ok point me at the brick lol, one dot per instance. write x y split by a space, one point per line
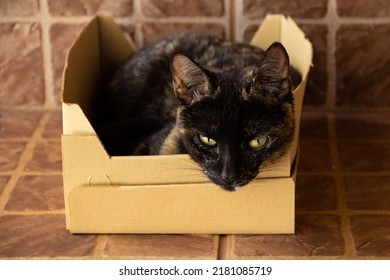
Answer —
21 70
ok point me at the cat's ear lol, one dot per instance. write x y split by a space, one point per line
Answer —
190 82
274 72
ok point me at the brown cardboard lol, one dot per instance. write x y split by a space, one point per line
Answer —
163 194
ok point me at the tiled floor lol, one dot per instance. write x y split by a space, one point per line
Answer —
342 198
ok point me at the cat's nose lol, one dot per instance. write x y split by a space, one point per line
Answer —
229 176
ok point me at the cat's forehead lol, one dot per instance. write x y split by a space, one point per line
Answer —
236 76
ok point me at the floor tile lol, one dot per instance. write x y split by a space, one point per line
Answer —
315 193
316 235
53 128
368 192
365 156
18 123
9 154
314 157
47 157
42 236
371 235
162 246
21 60
3 181
37 193
363 126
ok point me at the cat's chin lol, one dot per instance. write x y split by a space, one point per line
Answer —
228 187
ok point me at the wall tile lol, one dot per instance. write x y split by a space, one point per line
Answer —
155 31
21 64
363 61
365 156
371 235
368 192
41 236
37 193
294 8
18 123
317 85
119 8
363 8
363 126
61 37
168 8
18 7
249 32
316 235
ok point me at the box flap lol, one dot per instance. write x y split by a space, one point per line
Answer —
99 48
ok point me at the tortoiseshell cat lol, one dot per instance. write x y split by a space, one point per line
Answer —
228 105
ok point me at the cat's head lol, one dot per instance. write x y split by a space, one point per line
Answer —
235 122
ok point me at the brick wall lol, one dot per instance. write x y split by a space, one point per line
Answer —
350 38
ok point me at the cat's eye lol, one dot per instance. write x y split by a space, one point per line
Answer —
258 143
207 141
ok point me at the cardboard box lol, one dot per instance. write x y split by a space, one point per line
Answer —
155 194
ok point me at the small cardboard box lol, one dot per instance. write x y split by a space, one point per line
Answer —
155 194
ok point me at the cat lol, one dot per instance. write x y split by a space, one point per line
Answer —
228 105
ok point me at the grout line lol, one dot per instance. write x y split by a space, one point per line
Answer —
101 243
46 53
228 18
340 188
138 20
222 247
23 160
332 23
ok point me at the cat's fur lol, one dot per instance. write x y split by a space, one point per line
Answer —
182 94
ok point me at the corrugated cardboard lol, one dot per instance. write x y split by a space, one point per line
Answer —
163 194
